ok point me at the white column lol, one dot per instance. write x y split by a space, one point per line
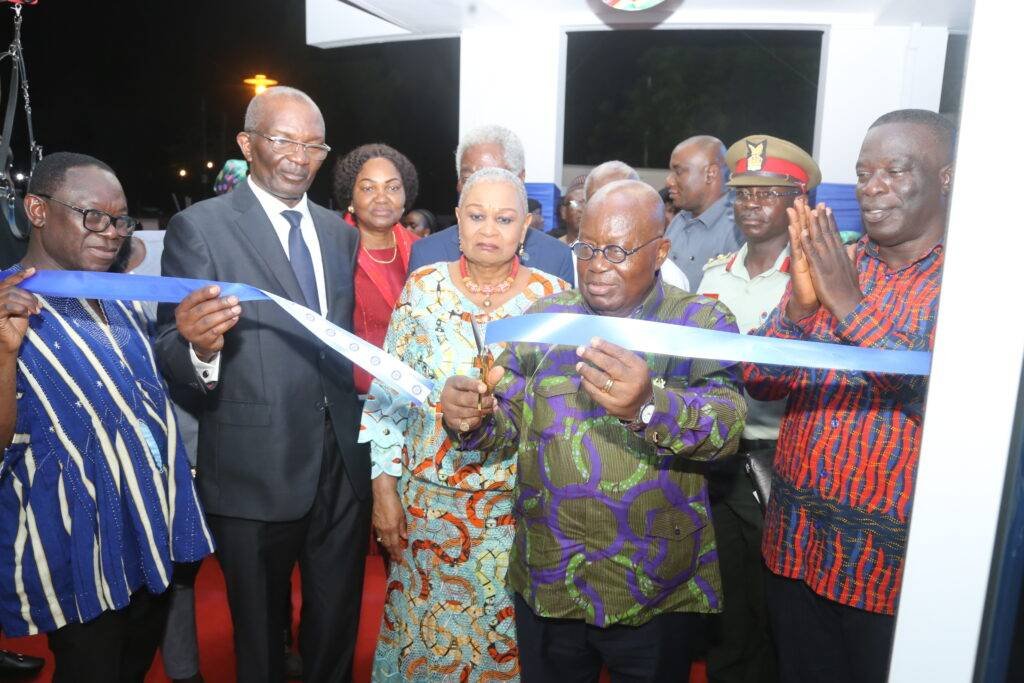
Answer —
515 76
973 391
867 71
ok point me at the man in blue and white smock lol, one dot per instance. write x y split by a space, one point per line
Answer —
96 494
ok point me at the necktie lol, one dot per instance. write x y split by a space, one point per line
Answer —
302 262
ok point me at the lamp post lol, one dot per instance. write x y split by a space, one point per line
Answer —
260 83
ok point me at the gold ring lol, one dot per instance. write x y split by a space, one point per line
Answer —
607 388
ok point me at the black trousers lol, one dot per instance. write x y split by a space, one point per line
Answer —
822 640
741 649
329 544
179 646
571 651
115 647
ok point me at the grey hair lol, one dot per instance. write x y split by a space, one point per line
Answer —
618 170
257 105
497 175
511 146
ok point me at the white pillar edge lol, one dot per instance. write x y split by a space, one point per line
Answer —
974 384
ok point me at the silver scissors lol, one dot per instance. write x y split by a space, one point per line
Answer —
484 360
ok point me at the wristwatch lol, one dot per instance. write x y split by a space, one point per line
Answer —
643 417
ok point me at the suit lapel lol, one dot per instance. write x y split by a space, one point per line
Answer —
254 226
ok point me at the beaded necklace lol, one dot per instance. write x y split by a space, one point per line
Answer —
487 290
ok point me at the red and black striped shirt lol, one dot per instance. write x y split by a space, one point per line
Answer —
849 441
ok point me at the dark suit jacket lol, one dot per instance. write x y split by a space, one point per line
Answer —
540 251
261 428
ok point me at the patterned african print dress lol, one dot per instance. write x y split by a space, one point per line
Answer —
448 614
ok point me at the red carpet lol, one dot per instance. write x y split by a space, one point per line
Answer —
217 660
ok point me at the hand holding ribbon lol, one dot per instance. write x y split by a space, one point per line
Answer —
16 305
617 379
203 318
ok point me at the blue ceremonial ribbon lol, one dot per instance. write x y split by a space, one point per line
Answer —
87 285
665 339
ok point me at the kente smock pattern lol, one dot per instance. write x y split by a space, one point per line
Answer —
448 613
612 525
96 493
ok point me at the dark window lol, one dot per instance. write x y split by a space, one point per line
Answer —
632 95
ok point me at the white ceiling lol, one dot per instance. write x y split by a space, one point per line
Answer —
332 23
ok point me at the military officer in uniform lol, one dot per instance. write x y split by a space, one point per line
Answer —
768 176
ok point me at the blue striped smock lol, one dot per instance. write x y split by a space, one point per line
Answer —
96 495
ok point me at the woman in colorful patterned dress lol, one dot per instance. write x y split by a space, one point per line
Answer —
445 515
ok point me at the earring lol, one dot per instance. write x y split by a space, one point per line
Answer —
351 210
519 251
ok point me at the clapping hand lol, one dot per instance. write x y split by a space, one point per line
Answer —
822 270
616 378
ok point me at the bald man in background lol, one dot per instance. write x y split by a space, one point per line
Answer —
704 227
609 172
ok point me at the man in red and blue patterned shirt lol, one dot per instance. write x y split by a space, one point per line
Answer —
836 525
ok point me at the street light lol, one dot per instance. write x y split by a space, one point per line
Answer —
260 82
209 165
182 173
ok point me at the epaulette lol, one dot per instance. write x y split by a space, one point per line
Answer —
719 260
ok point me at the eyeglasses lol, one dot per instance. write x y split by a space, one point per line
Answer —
95 220
280 145
575 204
766 197
613 253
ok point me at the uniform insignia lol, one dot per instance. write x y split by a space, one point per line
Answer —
755 155
717 261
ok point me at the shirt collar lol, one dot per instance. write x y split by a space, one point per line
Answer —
870 248
739 263
274 206
711 214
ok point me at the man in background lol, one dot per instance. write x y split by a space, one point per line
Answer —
490 147
768 176
704 226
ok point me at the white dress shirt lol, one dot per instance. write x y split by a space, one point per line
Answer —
273 207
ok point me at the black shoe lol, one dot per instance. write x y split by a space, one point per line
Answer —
15 664
293 666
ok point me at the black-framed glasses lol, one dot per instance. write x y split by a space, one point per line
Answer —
95 220
761 196
316 151
613 253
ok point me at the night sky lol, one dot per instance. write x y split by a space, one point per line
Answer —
152 86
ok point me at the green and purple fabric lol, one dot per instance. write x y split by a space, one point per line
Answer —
611 527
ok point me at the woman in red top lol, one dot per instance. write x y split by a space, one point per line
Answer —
378 184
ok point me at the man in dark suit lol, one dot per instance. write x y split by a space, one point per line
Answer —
279 470
489 147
